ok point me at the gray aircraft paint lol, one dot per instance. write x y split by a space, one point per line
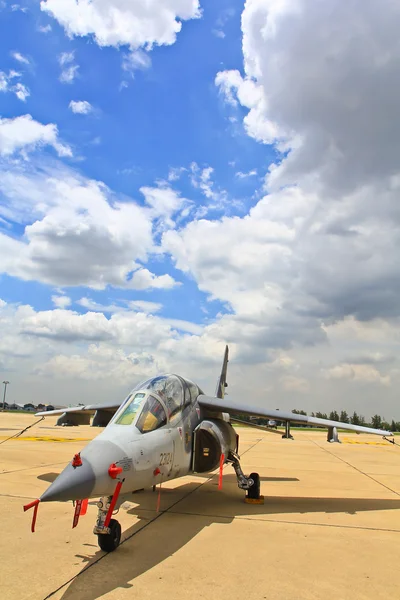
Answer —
166 452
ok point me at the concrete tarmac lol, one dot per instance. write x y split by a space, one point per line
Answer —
329 527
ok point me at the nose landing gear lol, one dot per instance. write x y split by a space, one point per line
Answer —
110 541
108 530
251 484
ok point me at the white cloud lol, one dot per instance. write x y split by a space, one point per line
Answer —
45 28
242 175
76 231
66 325
164 202
69 69
69 73
65 58
100 363
24 133
61 301
175 173
7 85
201 178
145 306
20 58
224 16
364 373
112 23
143 279
21 91
295 384
135 61
18 7
81 107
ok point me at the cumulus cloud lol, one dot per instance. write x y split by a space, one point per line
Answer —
100 363
24 133
61 301
81 107
365 373
316 82
76 232
112 23
164 202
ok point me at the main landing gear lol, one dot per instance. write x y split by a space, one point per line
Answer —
108 530
251 484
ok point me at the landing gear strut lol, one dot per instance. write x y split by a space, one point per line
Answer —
108 535
287 435
251 484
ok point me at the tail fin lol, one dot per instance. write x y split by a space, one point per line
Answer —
220 391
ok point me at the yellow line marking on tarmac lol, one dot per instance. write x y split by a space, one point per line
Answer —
349 441
46 438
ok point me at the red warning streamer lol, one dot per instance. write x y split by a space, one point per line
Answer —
221 470
158 499
35 505
84 506
77 513
113 503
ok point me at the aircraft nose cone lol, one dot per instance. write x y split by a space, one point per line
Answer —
72 484
91 478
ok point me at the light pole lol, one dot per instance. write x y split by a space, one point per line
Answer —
4 395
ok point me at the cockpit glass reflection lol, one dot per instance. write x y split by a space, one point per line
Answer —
131 408
169 388
152 416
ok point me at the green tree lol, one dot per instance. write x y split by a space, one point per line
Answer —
376 422
333 415
344 417
299 412
393 426
321 415
355 419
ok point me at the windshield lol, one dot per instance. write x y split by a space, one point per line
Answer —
132 406
152 416
169 388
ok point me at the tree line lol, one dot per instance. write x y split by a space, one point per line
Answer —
377 422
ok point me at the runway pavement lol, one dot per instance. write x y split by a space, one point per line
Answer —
329 527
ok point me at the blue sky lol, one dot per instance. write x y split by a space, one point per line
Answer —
167 116
176 175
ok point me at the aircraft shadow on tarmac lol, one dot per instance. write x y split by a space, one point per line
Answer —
175 526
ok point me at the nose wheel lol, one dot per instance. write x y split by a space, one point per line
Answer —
110 541
251 484
253 491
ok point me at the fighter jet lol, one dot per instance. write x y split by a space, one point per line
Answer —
166 428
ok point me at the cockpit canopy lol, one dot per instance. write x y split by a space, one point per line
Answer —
144 409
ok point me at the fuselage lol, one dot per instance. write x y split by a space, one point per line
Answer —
149 437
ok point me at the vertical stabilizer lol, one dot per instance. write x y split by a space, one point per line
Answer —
220 391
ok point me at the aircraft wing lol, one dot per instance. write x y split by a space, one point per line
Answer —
219 405
80 415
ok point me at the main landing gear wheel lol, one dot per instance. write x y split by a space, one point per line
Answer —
254 490
110 541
